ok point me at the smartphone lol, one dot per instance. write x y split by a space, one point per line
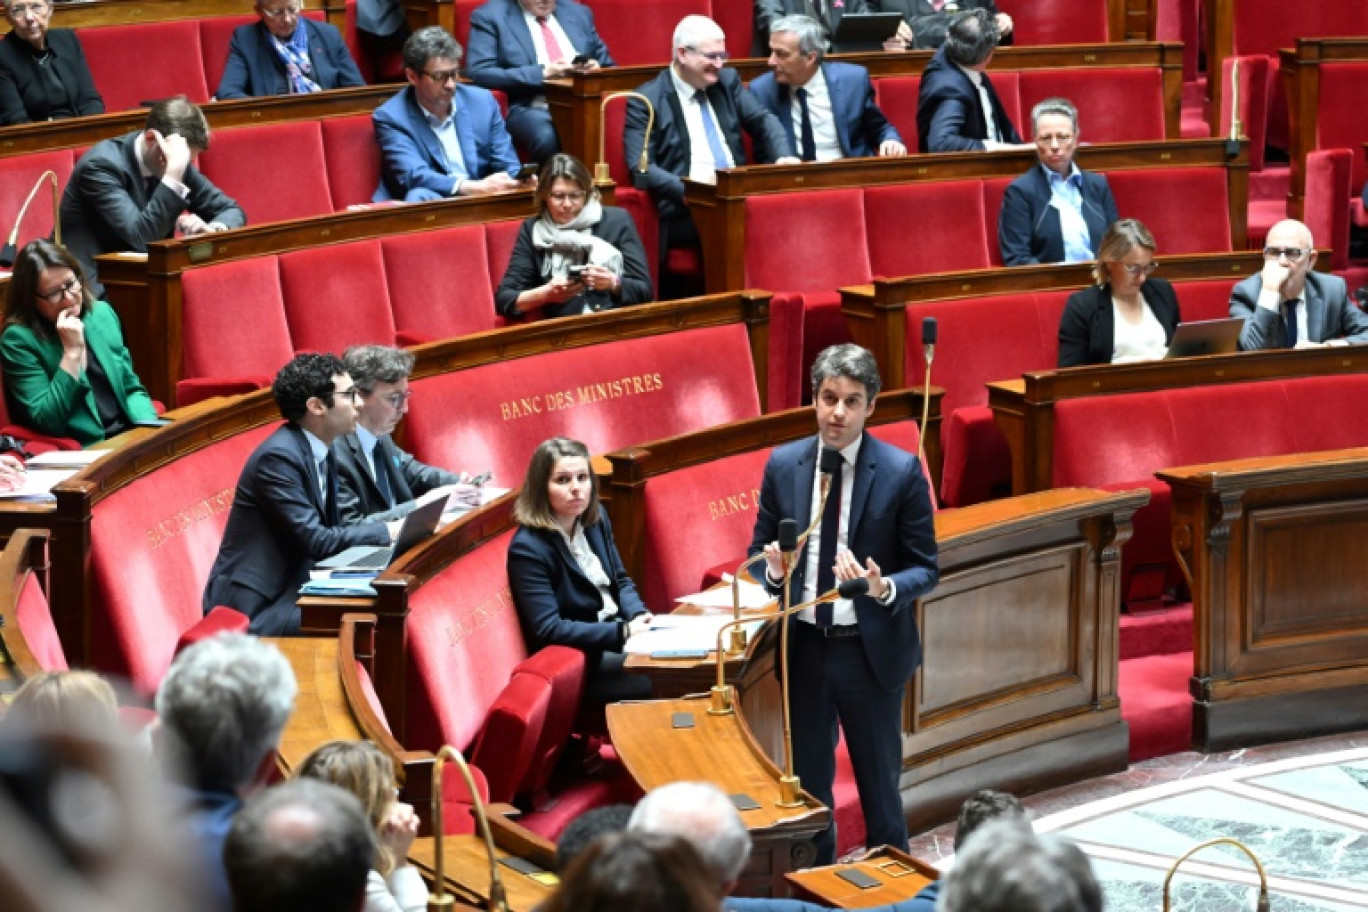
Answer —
152 422
481 479
580 60
575 272
528 171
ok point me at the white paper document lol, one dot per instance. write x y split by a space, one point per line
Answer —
674 632
38 484
753 595
66 459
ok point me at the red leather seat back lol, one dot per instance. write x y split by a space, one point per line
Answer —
809 242
639 33
959 242
352 158
1121 104
463 9
18 174
1007 84
146 61
1230 421
1264 26
1329 175
906 436
608 396
275 171
738 23
1344 396
897 98
33 615
994 188
563 668
233 319
1148 195
499 240
1339 121
512 729
1057 21
336 296
1204 299
152 544
1139 436
439 283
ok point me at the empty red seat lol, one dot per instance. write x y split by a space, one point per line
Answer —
233 327
353 159
336 297
897 99
1057 21
499 240
137 64
638 33
1118 104
275 171
439 283
1339 124
1157 196
960 241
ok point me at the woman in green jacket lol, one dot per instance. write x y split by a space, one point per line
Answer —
67 371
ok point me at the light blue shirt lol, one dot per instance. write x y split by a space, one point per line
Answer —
1066 195
368 442
451 144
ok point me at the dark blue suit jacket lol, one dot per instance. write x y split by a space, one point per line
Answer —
411 158
255 69
556 602
1028 226
860 126
277 529
949 115
500 54
890 521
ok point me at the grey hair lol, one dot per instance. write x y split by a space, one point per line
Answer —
222 708
427 44
1060 107
850 361
1121 238
701 814
811 36
693 30
1005 867
368 365
971 37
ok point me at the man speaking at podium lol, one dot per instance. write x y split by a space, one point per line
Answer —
850 660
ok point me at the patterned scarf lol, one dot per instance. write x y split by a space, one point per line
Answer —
295 56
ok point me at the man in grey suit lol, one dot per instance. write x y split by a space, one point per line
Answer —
142 187
1289 306
377 480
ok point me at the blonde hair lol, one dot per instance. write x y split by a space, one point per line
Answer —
66 700
367 772
1121 238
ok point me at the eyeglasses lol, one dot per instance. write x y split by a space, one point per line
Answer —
57 295
443 77
574 196
24 10
718 57
1293 254
397 400
352 393
282 13
1139 272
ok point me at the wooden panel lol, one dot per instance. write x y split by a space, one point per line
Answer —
1300 71
25 554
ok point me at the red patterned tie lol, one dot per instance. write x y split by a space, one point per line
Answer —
554 54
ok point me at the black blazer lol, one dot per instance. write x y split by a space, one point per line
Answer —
949 115
1087 331
24 92
927 23
556 603
359 498
278 527
254 68
524 270
1028 226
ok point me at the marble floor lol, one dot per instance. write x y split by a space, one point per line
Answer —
1302 807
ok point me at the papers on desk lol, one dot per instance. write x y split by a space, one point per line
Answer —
66 459
753 595
455 508
38 485
677 632
348 587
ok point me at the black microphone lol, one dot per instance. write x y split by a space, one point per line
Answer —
929 337
788 535
850 588
831 458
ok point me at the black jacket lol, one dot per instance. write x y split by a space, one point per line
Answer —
23 90
1087 330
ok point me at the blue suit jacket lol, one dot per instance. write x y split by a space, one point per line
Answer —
255 69
500 54
1028 226
411 158
860 126
1329 313
890 521
949 115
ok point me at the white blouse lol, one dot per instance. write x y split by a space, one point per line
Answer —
1143 341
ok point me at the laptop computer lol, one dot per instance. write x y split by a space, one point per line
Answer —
418 525
864 32
1205 337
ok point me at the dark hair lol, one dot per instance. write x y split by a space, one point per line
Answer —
177 116
302 846
21 308
429 43
581 832
850 361
533 507
563 166
308 375
636 872
371 364
985 806
971 37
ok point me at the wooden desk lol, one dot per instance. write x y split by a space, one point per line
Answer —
1273 550
24 554
465 865
900 876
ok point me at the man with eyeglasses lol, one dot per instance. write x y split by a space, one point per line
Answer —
701 109
285 54
516 45
1289 306
440 138
285 513
376 479
828 14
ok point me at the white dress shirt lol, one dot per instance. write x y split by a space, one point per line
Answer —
445 130
539 45
822 117
702 168
994 137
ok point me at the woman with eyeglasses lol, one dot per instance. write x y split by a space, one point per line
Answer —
361 768
43 72
576 255
1127 315
67 371
286 54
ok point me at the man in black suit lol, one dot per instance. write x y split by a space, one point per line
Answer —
700 110
925 21
377 480
827 12
142 187
851 660
1055 213
285 509
957 109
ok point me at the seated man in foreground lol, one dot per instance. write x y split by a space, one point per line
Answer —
285 514
439 138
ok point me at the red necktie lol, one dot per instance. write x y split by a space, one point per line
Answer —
554 54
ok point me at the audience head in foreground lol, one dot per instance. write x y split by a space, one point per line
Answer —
983 807
302 846
64 700
581 832
635 872
702 815
1004 867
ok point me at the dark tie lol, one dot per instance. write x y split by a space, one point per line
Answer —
826 553
554 54
382 479
719 154
330 489
1290 319
809 142
151 185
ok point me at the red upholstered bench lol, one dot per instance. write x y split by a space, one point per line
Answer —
1057 21
1151 195
439 283
353 159
1121 104
275 171
121 61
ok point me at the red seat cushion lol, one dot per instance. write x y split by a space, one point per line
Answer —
439 282
563 669
1204 299
233 319
145 62
1056 21
958 243
275 171
1149 194
1343 86
976 462
352 159
639 33
33 615
336 296
512 729
1328 181
499 240
1118 104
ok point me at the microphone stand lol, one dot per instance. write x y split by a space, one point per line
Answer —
601 174
929 353
11 248
1262 904
441 900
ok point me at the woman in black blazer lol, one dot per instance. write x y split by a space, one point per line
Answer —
568 582
576 255
43 74
1089 332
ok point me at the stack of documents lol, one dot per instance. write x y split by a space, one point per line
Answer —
683 633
